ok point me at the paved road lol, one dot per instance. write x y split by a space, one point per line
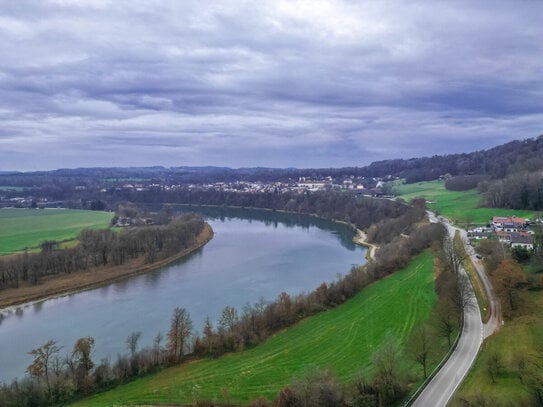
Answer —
495 321
444 384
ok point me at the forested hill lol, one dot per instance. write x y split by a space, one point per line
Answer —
507 176
515 157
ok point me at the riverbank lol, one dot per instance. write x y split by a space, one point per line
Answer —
361 239
58 285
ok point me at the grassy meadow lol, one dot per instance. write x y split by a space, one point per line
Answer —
459 206
342 339
27 228
521 336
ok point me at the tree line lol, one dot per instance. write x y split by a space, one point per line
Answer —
516 191
100 248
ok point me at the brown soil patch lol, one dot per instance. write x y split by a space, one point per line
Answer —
68 283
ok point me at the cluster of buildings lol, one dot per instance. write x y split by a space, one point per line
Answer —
16 201
28 202
351 184
304 184
359 185
509 230
126 221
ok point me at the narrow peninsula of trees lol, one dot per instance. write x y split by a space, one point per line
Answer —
99 248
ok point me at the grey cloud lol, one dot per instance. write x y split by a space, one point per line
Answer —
276 83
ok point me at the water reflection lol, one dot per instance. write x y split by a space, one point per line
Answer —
152 278
37 307
104 290
121 286
269 218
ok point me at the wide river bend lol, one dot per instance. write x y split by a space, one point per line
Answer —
254 254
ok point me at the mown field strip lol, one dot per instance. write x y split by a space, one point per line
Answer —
342 339
27 228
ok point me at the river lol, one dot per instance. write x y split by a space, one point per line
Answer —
254 254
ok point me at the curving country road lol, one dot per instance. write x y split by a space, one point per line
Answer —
444 384
495 321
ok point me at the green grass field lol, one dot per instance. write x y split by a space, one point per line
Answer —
20 228
459 206
342 339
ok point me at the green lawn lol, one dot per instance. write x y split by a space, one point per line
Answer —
459 206
20 228
342 339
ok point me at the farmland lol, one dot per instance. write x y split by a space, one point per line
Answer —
27 228
342 339
459 206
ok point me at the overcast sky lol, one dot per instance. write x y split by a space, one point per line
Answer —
264 83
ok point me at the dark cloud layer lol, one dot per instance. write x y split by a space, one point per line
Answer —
270 83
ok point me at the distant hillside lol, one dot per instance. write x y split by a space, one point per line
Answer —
496 163
515 157
507 176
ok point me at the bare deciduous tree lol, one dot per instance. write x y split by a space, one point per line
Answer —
419 346
132 342
494 366
447 319
509 279
42 363
453 257
83 364
229 318
387 380
180 330
156 346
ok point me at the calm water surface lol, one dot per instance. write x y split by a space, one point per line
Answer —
253 254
